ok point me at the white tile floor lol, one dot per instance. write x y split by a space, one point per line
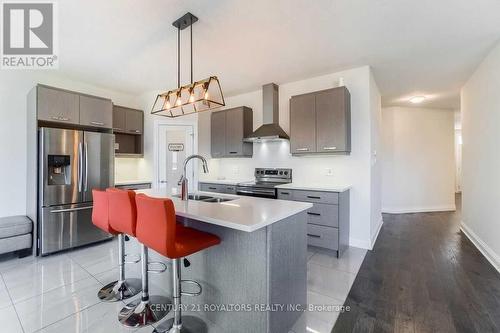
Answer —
58 293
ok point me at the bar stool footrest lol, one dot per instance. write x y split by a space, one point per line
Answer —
163 267
135 258
193 283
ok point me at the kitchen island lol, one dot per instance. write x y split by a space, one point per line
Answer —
255 280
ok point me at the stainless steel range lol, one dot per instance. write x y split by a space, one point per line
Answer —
265 183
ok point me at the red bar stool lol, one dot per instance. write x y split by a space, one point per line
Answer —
123 288
148 309
157 228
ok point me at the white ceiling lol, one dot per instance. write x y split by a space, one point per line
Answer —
415 47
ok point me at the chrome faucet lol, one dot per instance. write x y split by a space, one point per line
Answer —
183 182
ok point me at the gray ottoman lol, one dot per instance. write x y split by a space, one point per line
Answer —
15 233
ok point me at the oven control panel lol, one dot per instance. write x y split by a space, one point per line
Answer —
273 173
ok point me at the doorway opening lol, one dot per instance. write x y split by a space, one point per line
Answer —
175 143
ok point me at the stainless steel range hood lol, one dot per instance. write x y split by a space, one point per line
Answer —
271 129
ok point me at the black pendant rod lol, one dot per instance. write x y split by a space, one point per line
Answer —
178 57
191 50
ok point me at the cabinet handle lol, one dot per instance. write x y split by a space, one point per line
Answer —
134 131
329 148
302 149
212 188
315 214
285 193
315 236
60 118
98 123
233 152
313 197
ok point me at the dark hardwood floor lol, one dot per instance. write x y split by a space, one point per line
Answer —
423 275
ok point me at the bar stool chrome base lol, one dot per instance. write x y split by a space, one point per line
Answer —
190 324
141 313
119 290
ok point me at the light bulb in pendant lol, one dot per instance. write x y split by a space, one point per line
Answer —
191 97
178 102
206 95
168 105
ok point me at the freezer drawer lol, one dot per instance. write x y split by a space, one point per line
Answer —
68 226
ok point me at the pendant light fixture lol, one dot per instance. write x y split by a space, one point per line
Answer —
191 98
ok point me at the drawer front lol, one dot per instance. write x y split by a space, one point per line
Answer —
212 188
322 214
321 236
230 189
285 194
316 196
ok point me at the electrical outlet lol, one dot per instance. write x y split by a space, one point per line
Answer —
329 171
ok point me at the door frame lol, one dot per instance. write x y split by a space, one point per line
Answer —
162 123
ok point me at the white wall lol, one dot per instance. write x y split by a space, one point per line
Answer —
419 160
375 162
458 151
480 102
355 169
14 87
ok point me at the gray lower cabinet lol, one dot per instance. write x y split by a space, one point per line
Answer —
218 188
56 105
328 219
320 122
228 129
96 112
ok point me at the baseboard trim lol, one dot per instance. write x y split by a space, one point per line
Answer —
375 235
407 210
487 252
362 244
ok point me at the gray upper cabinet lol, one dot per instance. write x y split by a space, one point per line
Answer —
303 124
57 105
320 122
119 116
218 134
96 112
228 129
127 120
133 121
333 121
239 124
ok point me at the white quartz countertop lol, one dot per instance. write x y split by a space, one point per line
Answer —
224 181
133 182
243 213
316 187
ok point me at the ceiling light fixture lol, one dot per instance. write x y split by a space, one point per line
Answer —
191 98
417 99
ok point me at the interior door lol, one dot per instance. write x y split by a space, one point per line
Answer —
176 142
99 162
60 166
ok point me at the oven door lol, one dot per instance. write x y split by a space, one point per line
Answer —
258 192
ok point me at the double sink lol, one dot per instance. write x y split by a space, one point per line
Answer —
205 198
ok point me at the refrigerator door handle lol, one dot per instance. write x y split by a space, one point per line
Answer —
86 167
70 209
80 167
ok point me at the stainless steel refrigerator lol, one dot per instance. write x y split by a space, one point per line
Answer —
72 163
